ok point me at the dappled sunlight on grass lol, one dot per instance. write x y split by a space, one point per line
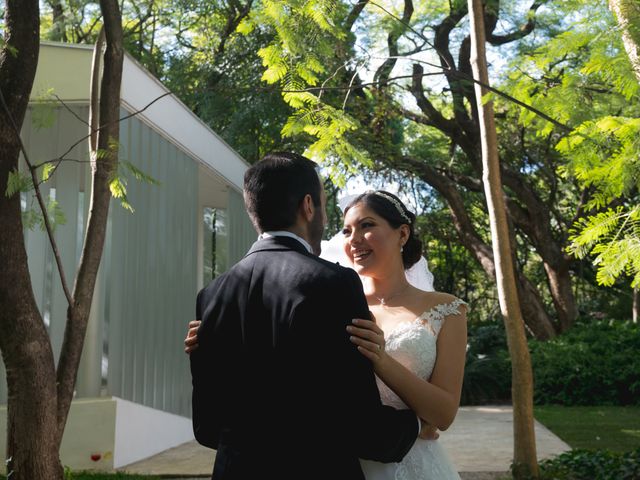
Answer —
611 428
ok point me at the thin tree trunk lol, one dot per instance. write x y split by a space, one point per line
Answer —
564 301
58 33
533 309
104 163
636 305
525 458
39 397
627 13
24 341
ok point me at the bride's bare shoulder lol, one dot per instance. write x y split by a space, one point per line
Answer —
433 299
439 297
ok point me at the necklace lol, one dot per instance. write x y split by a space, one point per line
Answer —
384 301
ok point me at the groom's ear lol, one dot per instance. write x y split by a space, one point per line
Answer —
307 207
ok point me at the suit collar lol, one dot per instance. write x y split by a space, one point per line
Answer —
286 233
278 244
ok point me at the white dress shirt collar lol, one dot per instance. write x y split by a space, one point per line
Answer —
285 233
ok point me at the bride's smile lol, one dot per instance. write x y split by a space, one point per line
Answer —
359 255
370 243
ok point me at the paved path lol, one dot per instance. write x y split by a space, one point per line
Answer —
480 443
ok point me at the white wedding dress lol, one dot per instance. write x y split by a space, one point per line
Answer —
414 345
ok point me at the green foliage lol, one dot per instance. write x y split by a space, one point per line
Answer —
13 51
592 465
579 74
604 156
47 170
18 182
118 182
138 174
307 33
118 188
79 22
487 374
224 88
613 237
587 82
32 216
592 364
43 111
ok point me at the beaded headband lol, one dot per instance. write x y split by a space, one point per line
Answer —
395 203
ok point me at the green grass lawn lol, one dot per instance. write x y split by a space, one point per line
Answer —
594 428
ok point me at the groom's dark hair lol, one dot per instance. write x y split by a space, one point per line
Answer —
275 186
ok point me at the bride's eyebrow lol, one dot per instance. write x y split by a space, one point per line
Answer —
359 221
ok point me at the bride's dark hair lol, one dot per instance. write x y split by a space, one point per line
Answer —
391 208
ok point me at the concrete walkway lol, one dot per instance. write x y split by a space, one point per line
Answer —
480 443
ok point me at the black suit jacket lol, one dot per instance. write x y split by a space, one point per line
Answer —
278 388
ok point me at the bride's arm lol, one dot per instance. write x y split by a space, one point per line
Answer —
436 400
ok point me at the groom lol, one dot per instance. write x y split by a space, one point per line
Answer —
278 388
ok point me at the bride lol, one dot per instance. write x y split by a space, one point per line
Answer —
418 340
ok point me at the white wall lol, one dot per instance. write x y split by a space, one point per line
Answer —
141 432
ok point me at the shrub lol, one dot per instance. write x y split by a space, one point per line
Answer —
592 465
594 363
487 374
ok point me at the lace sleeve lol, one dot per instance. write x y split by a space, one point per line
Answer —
434 318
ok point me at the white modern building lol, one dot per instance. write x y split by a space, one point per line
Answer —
134 387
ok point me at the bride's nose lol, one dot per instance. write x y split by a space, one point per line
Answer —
354 237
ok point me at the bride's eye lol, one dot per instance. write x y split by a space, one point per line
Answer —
367 224
345 232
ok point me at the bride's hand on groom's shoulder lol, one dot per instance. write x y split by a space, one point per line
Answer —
369 338
191 340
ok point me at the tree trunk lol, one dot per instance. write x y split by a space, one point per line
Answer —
525 458
104 162
536 226
59 30
627 13
561 290
24 342
636 305
39 397
530 214
536 317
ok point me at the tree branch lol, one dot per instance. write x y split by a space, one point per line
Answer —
354 14
41 203
524 29
107 125
383 72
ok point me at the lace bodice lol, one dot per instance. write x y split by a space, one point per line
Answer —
413 344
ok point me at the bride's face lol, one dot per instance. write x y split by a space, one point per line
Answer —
370 243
